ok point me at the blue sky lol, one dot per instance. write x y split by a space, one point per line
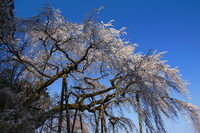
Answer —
163 25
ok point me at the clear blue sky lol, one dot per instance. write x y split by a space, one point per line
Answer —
163 25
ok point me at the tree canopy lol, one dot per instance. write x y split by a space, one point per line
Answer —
102 78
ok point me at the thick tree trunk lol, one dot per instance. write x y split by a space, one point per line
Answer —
103 120
81 123
67 106
97 121
61 104
113 128
139 112
74 121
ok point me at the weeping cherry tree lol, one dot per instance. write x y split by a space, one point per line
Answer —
102 78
